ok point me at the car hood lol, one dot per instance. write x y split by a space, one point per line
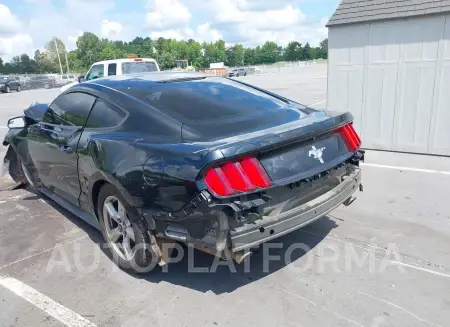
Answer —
36 111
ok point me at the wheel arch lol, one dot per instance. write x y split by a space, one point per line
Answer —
99 180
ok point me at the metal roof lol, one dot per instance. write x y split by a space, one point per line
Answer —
357 11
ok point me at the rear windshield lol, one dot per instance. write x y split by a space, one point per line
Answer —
206 99
139 67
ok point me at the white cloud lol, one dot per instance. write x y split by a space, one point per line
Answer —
13 40
177 34
167 14
15 45
253 22
9 24
172 19
110 27
205 32
72 41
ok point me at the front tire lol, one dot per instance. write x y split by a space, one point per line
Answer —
8 89
128 240
17 169
18 88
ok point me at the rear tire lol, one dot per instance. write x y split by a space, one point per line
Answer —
18 88
128 240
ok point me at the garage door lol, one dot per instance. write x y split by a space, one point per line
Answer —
394 76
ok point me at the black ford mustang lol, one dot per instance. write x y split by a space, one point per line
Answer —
168 156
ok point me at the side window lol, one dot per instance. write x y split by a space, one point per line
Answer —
104 115
112 69
95 72
70 109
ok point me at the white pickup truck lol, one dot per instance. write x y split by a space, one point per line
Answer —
117 67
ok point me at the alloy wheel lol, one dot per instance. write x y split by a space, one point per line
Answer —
8 89
118 228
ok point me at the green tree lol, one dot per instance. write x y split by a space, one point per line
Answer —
195 56
209 55
249 56
147 48
270 52
236 55
307 52
75 63
27 65
293 51
220 51
258 55
323 49
53 48
89 48
109 51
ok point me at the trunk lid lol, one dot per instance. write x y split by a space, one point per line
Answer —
290 151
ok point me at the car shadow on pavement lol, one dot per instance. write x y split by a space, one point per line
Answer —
226 277
203 272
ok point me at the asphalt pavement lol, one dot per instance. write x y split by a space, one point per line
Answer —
383 261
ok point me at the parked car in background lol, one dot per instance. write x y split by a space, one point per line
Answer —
9 83
24 82
131 65
236 72
42 81
62 80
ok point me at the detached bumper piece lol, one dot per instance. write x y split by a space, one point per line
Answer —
267 228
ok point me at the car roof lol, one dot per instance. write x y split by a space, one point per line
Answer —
160 76
123 60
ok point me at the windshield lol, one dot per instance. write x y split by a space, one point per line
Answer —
139 67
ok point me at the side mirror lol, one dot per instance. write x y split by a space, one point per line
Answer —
16 122
81 79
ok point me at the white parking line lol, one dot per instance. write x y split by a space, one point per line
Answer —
46 304
420 170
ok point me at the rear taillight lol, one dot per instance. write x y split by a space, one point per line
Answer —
244 175
351 138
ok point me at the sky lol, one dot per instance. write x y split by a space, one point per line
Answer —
26 25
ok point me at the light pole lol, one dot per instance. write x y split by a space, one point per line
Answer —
57 52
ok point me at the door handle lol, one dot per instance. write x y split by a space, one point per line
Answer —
66 148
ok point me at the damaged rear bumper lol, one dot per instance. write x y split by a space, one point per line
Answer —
243 223
265 229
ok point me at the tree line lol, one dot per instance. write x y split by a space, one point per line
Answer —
91 48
